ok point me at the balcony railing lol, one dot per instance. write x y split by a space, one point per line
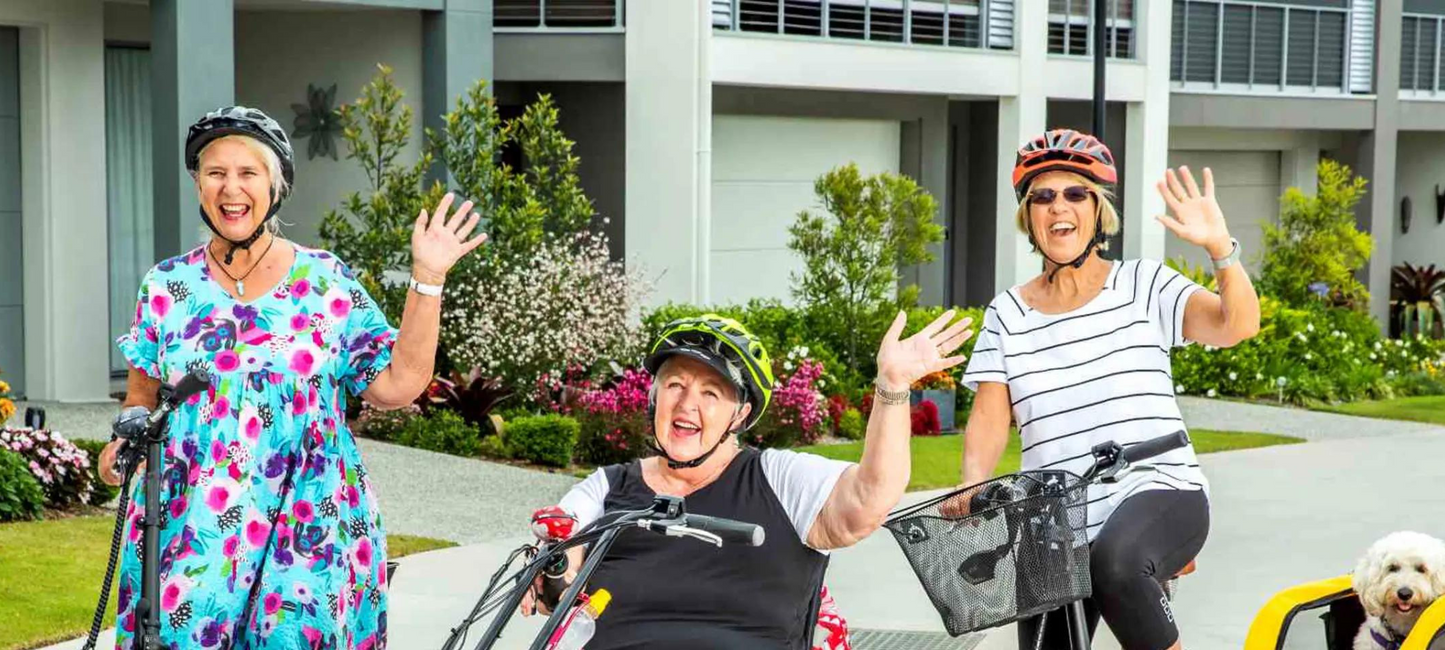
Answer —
948 23
1420 40
1071 28
557 15
1268 47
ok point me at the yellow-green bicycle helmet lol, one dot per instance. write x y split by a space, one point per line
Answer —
727 347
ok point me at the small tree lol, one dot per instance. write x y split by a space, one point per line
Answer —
372 231
852 255
1315 250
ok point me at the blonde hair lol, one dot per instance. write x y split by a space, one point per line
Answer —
279 186
1107 216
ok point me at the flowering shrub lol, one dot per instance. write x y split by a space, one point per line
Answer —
385 425
923 419
21 498
798 412
568 305
62 469
852 425
7 403
614 422
937 380
1306 355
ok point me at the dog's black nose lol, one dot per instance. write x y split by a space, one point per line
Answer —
1405 594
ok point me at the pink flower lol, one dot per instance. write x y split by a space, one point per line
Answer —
251 427
313 635
219 498
303 361
338 303
218 451
363 553
178 507
304 511
298 403
227 361
256 532
171 595
272 603
161 304
299 322
231 545
221 409
301 288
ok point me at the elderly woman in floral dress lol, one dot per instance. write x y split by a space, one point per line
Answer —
271 535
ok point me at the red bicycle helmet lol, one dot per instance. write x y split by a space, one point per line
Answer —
1063 149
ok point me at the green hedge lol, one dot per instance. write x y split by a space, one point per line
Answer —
21 497
442 431
545 439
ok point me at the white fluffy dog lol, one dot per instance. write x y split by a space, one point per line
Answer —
1398 577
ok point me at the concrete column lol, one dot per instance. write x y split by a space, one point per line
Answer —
668 126
924 148
61 106
1377 160
1020 118
193 71
1147 138
456 52
1299 167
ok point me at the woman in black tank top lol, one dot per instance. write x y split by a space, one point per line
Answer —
712 379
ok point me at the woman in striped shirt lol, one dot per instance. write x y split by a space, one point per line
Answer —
1080 355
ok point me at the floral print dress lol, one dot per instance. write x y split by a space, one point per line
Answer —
271 535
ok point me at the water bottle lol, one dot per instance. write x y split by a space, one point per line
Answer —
581 622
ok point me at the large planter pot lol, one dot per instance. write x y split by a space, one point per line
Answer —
944 399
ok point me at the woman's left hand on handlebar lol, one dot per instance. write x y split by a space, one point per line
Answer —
904 361
1197 217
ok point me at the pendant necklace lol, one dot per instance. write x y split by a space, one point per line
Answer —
241 281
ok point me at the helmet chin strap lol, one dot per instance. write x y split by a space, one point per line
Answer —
245 243
1077 262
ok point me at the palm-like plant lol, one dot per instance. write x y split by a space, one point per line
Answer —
1418 293
472 396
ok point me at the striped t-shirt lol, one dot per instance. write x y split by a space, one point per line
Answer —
1098 373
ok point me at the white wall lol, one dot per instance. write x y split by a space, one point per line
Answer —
279 53
763 174
62 99
1420 170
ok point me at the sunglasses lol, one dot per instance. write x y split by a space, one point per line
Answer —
1072 194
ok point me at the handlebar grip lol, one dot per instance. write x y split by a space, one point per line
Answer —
1156 446
731 531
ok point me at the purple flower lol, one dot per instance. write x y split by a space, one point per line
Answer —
1319 289
193 327
244 312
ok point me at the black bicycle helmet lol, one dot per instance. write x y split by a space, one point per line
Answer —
727 347
252 123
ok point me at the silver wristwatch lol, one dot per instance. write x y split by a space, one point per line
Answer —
1230 259
424 289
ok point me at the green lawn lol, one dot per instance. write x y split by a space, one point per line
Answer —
936 460
50 575
1416 409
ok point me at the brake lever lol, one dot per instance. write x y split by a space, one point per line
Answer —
680 530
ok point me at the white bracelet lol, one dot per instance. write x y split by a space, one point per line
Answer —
424 289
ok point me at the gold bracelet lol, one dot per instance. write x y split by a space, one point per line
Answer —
891 397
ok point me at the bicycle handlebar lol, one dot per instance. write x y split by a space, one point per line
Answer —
728 530
1156 446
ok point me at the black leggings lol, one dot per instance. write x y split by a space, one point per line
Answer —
1149 538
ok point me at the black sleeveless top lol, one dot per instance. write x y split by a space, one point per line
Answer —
685 593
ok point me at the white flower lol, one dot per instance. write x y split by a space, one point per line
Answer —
1210 348
804 350
1377 345
787 365
1211 393
1373 356
1233 376
1179 388
822 383
1259 376
1309 355
1310 327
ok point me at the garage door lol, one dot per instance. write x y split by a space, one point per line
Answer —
1247 185
763 170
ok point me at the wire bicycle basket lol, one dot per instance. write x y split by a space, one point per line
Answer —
1021 549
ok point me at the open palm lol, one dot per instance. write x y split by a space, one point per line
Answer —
1197 218
904 361
438 241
